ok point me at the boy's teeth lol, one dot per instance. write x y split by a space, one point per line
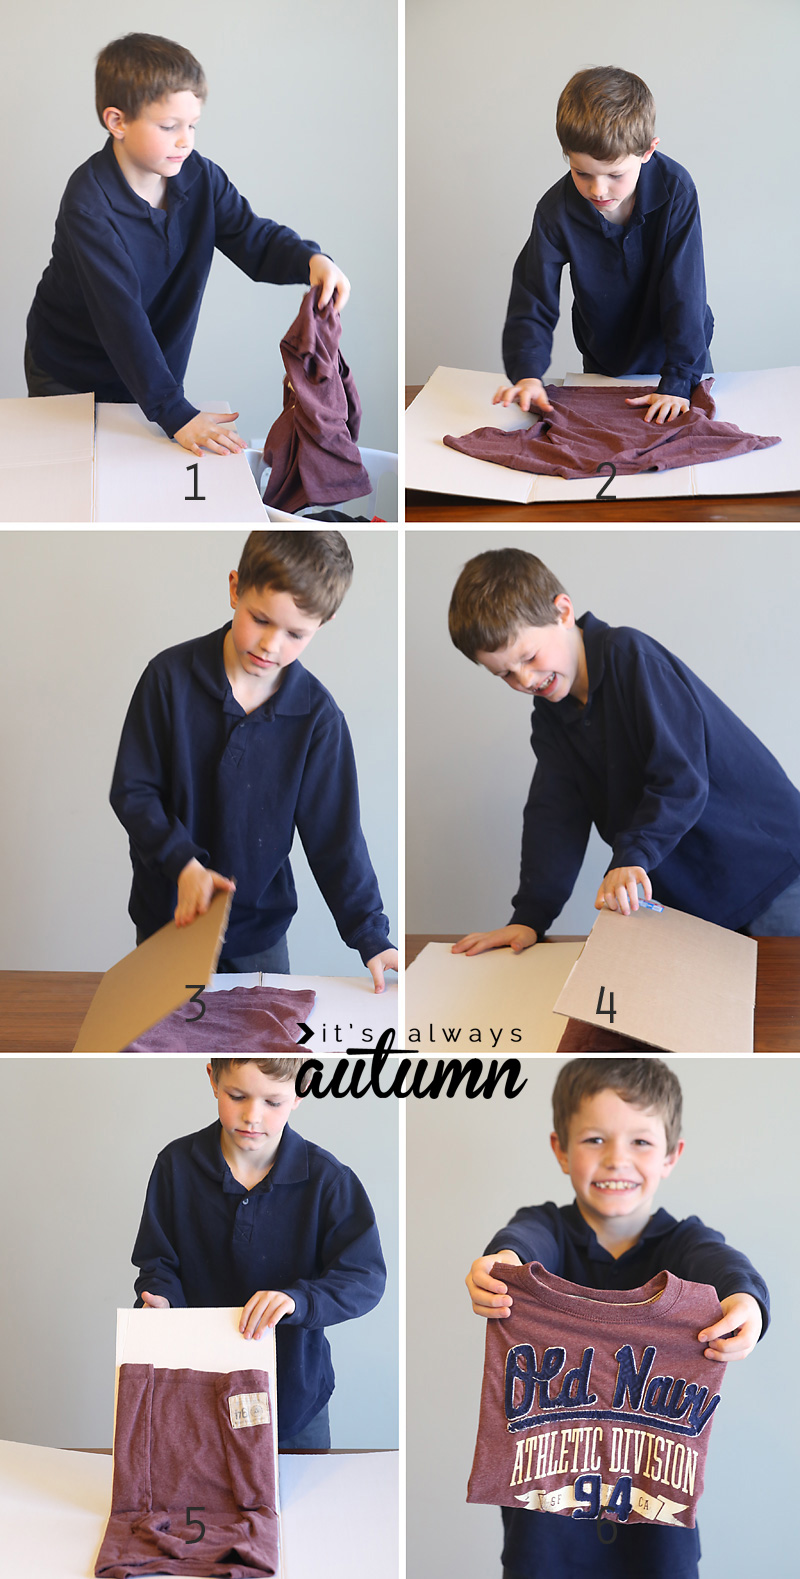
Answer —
615 1184
545 683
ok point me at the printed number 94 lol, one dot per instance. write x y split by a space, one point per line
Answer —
588 1489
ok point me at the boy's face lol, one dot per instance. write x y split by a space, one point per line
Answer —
269 630
254 1109
546 661
609 188
616 1157
161 137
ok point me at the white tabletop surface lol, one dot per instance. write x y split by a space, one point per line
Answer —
339 1513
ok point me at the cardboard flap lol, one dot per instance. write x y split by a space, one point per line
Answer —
154 979
682 984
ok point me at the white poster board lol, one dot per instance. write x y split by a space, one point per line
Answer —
456 401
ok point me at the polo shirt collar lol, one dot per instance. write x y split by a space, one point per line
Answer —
580 1232
292 699
651 193
290 1165
122 197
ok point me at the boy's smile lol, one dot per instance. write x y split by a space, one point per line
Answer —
616 1157
610 188
547 661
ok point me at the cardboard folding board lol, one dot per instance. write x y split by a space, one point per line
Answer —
459 1005
153 980
47 459
681 984
456 400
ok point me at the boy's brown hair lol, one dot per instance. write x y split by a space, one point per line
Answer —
607 114
275 1068
644 1082
315 568
141 68
497 594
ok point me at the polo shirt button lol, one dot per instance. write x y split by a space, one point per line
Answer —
245 1201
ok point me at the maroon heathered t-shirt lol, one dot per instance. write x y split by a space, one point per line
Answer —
597 1400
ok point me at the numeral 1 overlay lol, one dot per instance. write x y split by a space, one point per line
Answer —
610 1011
190 1522
201 496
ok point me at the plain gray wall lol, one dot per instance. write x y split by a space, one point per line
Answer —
470 1165
725 602
73 1200
301 114
81 615
482 86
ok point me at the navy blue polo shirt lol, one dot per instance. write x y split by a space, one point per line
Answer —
639 289
672 780
117 306
197 776
558 1236
307 1229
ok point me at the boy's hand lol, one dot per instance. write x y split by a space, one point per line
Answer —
618 889
528 392
514 937
663 408
264 1309
196 889
489 1297
743 1320
205 430
388 960
155 1302
323 271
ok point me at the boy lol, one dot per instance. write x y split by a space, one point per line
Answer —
625 736
230 745
626 220
117 306
248 1213
616 1133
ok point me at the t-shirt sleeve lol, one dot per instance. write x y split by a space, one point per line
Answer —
112 291
532 1235
329 823
533 305
700 1255
352 1273
671 738
682 298
556 825
140 786
155 1251
259 247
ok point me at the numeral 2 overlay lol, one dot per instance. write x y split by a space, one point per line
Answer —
607 484
610 1011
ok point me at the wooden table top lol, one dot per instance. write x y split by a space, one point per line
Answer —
437 507
777 1016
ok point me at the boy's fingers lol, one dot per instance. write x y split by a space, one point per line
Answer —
646 885
376 969
639 400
